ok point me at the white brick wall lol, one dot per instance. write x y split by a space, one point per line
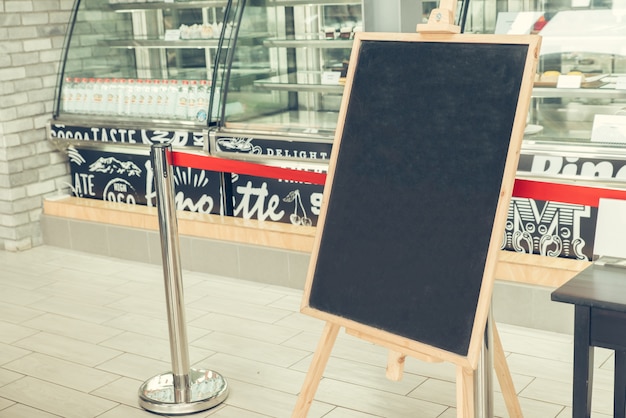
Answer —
31 35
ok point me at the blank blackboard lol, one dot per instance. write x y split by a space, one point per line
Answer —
422 168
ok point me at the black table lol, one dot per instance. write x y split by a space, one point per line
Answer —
599 296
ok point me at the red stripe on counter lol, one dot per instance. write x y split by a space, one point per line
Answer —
566 193
530 189
205 162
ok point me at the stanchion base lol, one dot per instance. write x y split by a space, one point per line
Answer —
208 389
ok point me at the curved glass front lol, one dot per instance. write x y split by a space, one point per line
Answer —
143 60
287 76
579 98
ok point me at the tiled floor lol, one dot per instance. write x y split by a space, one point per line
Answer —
80 333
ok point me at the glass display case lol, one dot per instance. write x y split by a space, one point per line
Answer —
289 109
143 60
263 76
286 113
298 93
575 132
582 65
135 73
263 79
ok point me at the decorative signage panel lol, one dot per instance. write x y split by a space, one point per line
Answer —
276 200
127 135
273 148
128 178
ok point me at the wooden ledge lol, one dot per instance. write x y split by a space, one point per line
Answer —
224 228
537 269
513 267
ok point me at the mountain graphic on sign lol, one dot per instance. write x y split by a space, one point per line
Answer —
112 165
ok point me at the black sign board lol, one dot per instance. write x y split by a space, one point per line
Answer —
409 231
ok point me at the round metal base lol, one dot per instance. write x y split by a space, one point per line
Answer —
207 390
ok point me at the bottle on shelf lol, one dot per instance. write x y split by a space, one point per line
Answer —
192 99
202 101
140 104
171 99
180 112
80 94
151 91
68 95
115 105
88 88
108 97
97 94
123 97
158 108
130 105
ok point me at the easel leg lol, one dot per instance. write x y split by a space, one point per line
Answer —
504 376
464 392
316 369
395 365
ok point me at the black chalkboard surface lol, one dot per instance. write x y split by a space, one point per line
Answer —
419 184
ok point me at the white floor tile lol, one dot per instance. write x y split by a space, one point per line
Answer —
9 353
243 327
55 399
136 367
251 349
10 333
123 411
23 411
71 349
124 391
60 372
72 328
227 411
376 402
11 312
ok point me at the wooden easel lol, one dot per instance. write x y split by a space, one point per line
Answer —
440 25
395 367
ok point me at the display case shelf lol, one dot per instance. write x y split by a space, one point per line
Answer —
292 3
162 44
309 124
131 7
308 41
304 82
606 92
245 39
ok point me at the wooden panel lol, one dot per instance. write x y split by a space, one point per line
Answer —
536 269
270 234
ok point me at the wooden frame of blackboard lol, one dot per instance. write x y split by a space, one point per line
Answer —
338 312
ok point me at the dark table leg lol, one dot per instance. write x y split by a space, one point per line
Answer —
583 364
619 392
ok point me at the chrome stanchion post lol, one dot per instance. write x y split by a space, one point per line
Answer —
483 376
183 390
